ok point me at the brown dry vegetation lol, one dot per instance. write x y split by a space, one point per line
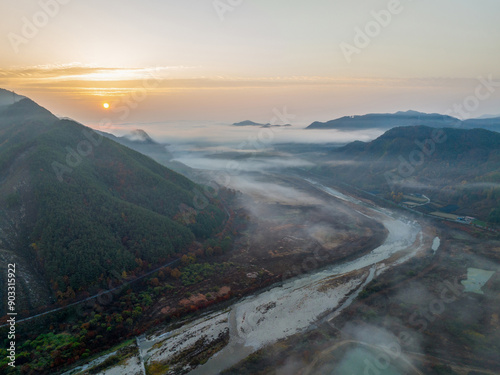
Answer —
280 241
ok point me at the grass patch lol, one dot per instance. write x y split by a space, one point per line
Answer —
444 215
157 368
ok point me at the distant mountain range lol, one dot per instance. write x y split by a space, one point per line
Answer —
251 123
387 121
71 200
487 116
492 123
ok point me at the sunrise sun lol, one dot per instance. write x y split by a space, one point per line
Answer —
105 105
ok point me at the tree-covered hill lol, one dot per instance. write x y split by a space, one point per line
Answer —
456 166
79 206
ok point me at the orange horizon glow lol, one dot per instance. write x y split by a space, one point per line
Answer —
188 65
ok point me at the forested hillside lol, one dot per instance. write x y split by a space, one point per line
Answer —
455 166
79 206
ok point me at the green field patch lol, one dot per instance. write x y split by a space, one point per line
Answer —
444 215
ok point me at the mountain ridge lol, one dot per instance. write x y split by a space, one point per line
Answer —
387 121
71 199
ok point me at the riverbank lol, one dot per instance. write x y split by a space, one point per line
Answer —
259 320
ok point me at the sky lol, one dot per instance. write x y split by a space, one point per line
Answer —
232 60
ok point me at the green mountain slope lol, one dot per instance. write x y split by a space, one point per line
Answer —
140 141
80 206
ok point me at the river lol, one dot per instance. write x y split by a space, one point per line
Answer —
264 318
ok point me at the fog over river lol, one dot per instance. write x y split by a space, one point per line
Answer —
284 310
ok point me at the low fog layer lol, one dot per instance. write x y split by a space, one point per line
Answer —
226 134
237 166
273 192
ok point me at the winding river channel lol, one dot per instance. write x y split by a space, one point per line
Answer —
292 307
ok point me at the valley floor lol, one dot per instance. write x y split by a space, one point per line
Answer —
315 293
259 320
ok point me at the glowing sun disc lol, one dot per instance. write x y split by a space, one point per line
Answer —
106 105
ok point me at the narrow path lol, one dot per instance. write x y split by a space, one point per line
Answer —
94 296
